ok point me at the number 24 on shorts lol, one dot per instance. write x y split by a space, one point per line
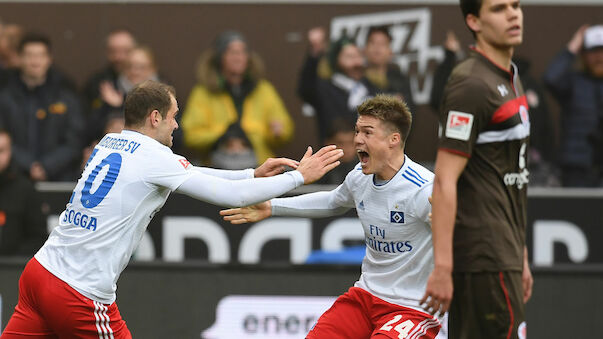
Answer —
408 329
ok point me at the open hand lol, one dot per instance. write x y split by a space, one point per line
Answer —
314 166
274 166
317 37
110 95
247 214
575 44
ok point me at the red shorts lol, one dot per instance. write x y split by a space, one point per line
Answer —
358 314
50 308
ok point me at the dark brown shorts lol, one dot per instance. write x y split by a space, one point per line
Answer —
487 305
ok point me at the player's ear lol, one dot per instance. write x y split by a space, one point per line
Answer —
155 117
394 139
473 22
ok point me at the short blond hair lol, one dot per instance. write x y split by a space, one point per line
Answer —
392 110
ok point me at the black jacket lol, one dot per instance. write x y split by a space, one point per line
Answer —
581 98
22 222
46 126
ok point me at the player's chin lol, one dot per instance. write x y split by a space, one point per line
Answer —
515 41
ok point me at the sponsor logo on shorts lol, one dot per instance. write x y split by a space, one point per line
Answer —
458 125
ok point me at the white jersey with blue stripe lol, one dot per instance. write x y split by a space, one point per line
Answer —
127 179
395 218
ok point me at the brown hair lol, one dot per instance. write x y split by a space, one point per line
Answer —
470 7
391 110
146 97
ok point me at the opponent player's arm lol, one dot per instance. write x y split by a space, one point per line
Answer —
526 277
449 167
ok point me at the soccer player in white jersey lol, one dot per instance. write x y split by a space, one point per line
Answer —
68 289
390 193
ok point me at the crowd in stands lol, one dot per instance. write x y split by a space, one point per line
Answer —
235 118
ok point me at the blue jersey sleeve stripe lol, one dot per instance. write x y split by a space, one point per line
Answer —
417 173
409 179
414 176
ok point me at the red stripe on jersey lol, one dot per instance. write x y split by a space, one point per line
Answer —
504 288
457 152
508 109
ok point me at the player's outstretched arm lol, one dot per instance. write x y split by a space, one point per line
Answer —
247 214
270 167
233 193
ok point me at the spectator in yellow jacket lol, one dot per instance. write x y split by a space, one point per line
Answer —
234 117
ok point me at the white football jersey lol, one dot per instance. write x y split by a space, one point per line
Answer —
127 179
395 218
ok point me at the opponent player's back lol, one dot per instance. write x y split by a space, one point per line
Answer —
111 205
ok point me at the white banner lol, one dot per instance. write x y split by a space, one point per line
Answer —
266 317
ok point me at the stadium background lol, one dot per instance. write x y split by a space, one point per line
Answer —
177 298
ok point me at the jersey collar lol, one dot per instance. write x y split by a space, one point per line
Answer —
510 74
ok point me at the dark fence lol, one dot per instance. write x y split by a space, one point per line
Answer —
202 275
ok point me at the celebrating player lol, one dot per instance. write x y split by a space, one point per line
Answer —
68 289
390 193
481 177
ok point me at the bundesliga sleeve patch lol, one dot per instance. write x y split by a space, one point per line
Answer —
458 125
185 163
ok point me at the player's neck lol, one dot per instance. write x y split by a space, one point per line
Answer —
142 130
500 56
392 166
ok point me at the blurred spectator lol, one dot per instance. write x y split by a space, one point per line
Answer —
347 87
119 43
579 91
453 53
380 71
10 35
22 223
543 171
542 153
140 66
341 134
42 115
233 115
114 124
